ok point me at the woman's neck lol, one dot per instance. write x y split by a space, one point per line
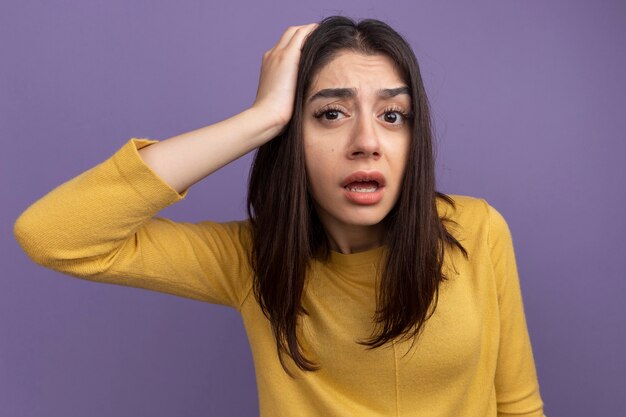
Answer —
354 238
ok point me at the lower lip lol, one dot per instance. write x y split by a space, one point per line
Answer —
365 198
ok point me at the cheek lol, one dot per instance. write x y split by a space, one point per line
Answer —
398 161
313 170
318 176
316 156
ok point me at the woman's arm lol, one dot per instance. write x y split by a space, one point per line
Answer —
186 159
100 225
517 387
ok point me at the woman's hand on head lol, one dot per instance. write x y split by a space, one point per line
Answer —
279 71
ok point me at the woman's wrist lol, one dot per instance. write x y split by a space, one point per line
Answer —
270 125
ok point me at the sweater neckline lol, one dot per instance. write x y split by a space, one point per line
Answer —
368 257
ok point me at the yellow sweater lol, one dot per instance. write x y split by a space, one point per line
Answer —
473 359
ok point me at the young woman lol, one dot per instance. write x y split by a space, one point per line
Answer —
364 292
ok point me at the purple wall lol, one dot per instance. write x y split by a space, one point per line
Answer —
528 100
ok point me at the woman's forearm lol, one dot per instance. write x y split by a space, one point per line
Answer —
185 159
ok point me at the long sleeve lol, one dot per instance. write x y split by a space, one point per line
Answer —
100 226
517 388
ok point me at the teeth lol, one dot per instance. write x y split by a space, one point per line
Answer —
362 189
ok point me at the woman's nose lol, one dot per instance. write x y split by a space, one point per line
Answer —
365 142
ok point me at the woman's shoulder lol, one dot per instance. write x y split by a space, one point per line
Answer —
462 207
472 216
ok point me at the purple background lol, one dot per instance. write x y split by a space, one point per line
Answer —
528 102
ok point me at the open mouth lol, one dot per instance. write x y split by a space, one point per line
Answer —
363 186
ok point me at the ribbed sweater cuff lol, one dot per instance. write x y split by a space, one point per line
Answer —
154 190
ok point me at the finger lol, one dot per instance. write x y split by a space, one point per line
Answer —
289 35
286 37
300 35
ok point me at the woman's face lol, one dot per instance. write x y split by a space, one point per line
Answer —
356 139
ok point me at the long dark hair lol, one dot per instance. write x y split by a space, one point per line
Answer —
287 233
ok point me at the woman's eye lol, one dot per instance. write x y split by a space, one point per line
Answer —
332 114
394 117
329 114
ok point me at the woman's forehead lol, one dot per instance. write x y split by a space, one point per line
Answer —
357 71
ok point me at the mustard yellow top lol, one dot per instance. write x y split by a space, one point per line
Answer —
473 359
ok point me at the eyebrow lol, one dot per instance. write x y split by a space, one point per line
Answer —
384 93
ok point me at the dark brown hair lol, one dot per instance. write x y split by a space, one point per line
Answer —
287 233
